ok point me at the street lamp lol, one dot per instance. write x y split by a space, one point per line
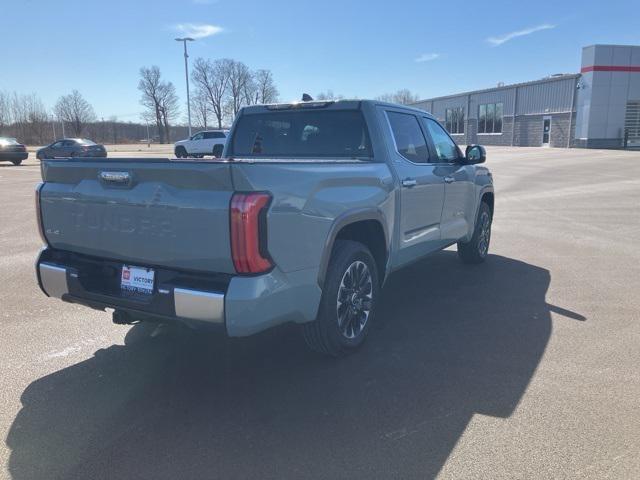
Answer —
186 75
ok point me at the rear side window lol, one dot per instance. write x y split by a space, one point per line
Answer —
291 134
209 135
408 136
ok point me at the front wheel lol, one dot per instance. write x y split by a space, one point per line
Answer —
181 152
477 249
349 298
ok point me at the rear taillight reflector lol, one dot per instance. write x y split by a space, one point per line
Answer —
39 213
248 232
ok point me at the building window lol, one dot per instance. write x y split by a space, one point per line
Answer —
490 118
454 120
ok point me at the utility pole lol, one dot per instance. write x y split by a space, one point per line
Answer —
148 138
186 75
53 126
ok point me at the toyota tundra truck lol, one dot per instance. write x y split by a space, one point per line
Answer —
302 220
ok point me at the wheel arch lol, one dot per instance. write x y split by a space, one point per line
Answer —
367 226
488 197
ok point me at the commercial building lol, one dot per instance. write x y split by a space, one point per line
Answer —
596 108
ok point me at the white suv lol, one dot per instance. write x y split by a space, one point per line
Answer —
208 142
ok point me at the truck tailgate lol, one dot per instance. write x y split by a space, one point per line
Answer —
145 212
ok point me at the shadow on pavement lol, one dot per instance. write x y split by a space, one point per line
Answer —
450 341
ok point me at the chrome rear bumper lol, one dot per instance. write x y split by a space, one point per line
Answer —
60 281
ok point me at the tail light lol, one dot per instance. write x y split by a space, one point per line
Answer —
249 232
39 214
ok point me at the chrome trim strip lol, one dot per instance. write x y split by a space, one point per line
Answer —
199 305
54 280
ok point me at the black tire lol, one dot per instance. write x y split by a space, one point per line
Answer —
16 162
477 249
334 333
217 150
181 152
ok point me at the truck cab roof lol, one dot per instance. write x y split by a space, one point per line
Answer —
343 104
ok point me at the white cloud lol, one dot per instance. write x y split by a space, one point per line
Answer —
499 40
197 30
427 57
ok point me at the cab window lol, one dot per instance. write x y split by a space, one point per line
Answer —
410 141
446 149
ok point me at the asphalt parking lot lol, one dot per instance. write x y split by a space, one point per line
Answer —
523 367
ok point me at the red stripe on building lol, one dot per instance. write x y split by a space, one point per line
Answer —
609 68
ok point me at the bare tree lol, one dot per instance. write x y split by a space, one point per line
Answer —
24 117
266 91
212 81
150 85
75 110
201 109
251 95
5 110
239 76
169 106
402 96
328 95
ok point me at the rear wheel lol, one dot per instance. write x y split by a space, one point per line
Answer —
217 150
477 249
16 162
348 303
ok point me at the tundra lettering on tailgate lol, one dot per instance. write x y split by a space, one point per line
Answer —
110 220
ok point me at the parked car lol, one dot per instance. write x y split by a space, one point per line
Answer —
72 147
208 142
12 151
314 205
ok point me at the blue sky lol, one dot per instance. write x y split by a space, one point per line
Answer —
355 48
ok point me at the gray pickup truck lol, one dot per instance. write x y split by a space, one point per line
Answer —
310 209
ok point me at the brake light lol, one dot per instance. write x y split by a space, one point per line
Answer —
249 233
39 213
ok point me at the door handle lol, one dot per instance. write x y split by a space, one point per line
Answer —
409 182
449 179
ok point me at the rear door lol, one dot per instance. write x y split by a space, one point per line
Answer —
163 213
458 211
53 150
211 140
422 187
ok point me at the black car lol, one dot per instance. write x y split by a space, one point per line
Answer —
71 147
12 151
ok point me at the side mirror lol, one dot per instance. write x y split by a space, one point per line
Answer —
475 154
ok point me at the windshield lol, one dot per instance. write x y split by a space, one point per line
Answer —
335 133
8 141
84 141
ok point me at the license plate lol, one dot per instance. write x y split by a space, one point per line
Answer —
137 279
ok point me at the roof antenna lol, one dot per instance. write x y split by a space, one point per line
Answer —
307 98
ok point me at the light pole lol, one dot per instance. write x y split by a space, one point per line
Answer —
186 75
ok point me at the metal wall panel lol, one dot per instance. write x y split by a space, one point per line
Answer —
504 96
547 97
439 106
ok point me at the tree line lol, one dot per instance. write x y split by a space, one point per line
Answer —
221 87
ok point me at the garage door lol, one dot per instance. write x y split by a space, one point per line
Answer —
632 124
